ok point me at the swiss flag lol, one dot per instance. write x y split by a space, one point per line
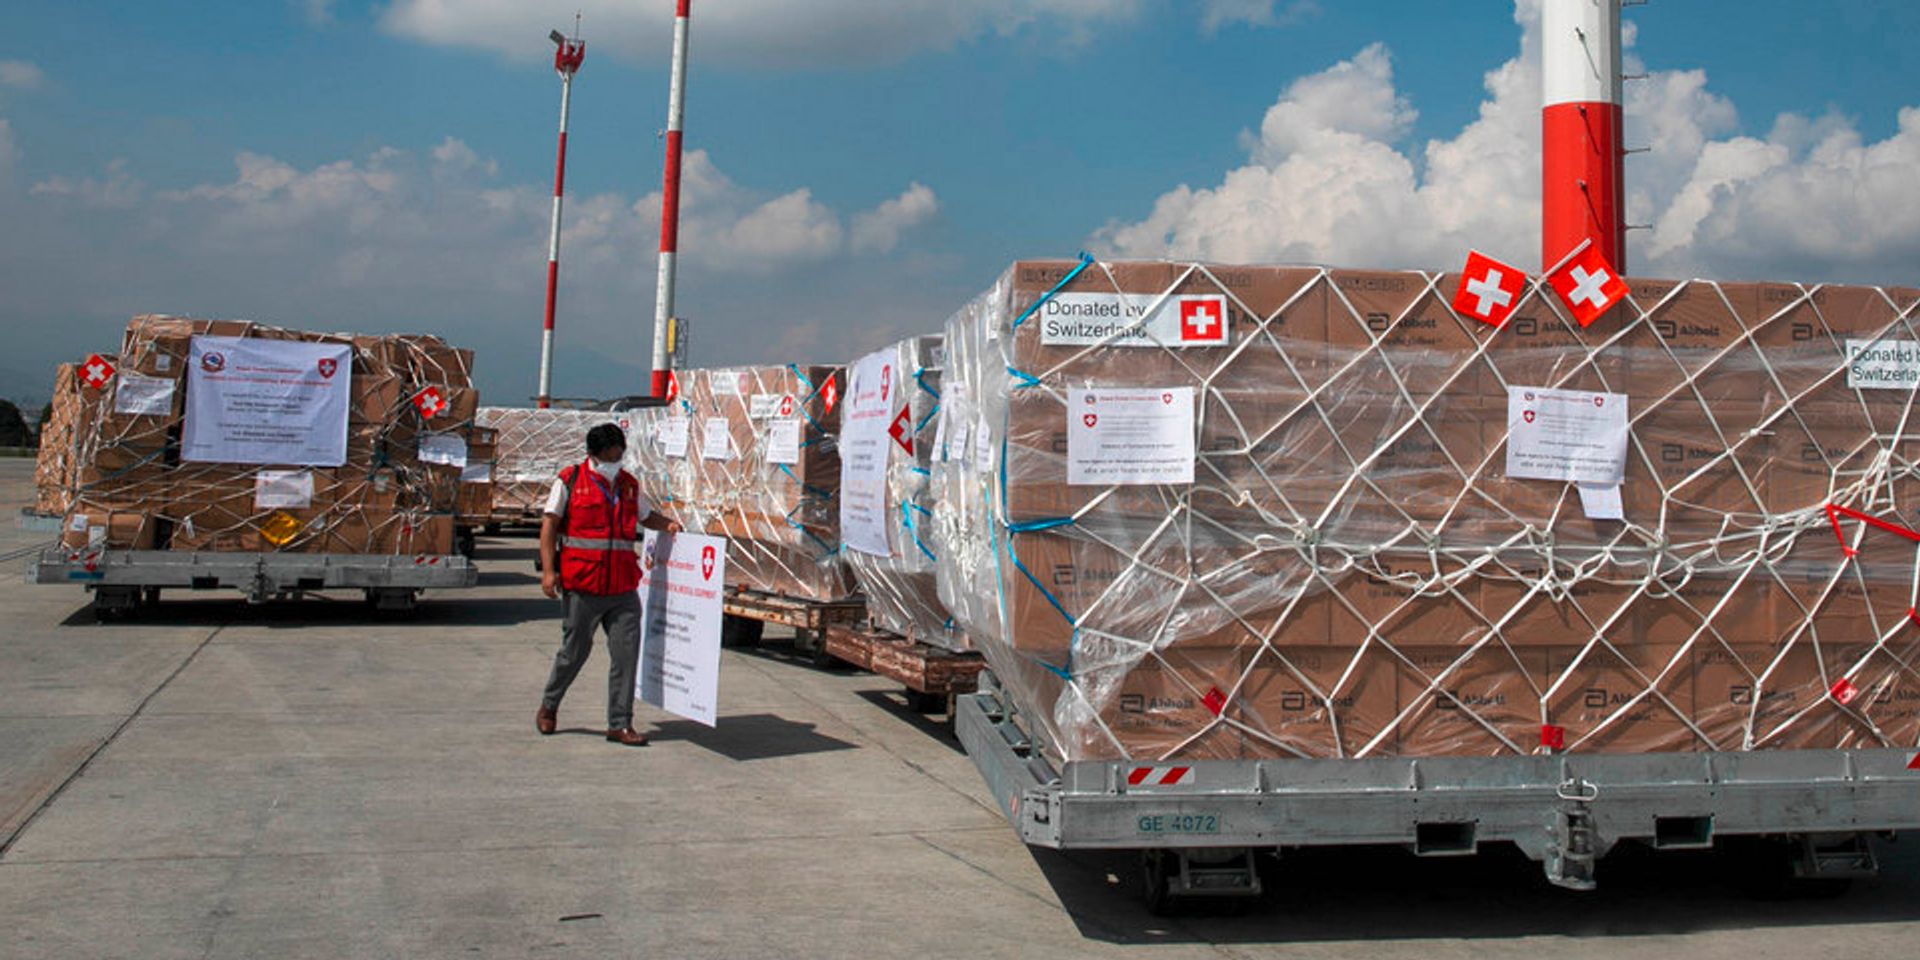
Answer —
1587 284
1489 289
430 403
829 393
901 429
673 386
96 372
1203 320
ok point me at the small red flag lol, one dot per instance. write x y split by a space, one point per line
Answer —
1588 285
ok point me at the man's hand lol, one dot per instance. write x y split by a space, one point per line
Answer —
673 526
550 584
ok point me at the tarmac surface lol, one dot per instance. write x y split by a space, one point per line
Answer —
310 780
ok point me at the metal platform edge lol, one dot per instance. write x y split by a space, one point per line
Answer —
304 571
1437 805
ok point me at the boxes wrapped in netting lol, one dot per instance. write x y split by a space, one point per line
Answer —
531 447
752 454
1207 512
889 433
375 434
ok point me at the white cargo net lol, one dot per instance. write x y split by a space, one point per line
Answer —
1359 476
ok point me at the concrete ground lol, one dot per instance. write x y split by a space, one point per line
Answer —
214 780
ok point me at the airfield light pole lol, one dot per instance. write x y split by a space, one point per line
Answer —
567 55
670 203
1581 194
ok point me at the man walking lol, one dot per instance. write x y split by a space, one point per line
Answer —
587 560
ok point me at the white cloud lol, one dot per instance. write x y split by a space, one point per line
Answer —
1328 181
1215 14
20 75
818 33
319 13
878 230
117 190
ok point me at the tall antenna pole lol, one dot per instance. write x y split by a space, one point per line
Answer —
1581 195
567 56
670 202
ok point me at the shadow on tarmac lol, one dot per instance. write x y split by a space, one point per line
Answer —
1378 893
755 736
447 609
894 701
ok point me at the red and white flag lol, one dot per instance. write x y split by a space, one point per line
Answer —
430 403
1587 284
96 372
1489 290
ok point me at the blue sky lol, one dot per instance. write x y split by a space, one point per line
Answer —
385 166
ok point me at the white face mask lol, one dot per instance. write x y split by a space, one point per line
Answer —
607 470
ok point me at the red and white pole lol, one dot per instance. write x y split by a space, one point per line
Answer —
566 62
670 201
1581 196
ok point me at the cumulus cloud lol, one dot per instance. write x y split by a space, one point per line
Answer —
20 74
1215 14
878 230
1330 180
819 33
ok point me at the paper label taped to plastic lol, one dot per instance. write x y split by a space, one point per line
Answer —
1602 503
716 439
672 434
446 449
476 473
1569 435
1133 320
765 406
872 383
1129 436
283 489
140 396
1883 364
783 442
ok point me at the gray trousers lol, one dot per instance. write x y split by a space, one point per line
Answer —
585 613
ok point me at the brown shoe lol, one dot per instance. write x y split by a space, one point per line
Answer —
545 720
627 737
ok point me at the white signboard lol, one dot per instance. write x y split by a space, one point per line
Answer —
1571 435
783 441
283 489
143 396
1122 320
672 433
1602 503
1129 436
716 439
872 389
766 406
682 580
1883 364
266 401
448 449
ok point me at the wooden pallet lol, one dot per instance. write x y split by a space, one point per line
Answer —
795 612
923 668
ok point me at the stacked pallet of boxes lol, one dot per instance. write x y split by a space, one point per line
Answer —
134 484
1290 514
73 415
531 448
751 454
895 563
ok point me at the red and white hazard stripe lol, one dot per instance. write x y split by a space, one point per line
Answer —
1581 196
1159 776
566 62
670 199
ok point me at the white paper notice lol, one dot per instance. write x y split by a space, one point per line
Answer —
1570 435
871 385
1121 320
716 439
682 580
447 449
266 401
1883 364
1602 503
982 446
765 406
1129 436
143 396
673 436
477 473
283 490
783 441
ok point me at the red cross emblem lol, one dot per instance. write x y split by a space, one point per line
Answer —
706 563
902 429
328 366
430 403
829 394
1489 290
1201 321
96 372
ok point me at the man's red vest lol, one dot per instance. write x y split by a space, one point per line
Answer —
596 539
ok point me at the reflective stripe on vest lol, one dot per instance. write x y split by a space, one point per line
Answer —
604 546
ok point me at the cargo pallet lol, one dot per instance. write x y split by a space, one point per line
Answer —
123 580
1198 826
749 611
933 676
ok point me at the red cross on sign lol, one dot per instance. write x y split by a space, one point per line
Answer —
430 403
902 429
96 372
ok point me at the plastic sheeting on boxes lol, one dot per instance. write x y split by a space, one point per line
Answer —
1355 570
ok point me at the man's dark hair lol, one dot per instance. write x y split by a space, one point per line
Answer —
605 437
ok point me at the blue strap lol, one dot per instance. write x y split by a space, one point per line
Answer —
811 490
906 520
1086 260
920 377
1026 379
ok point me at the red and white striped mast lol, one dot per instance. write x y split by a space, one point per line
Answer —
1581 196
670 202
567 55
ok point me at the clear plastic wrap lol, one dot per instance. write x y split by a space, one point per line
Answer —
531 448
901 586
751 454
128 488
1353 573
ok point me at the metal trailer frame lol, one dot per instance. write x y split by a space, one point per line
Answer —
1198 824
120 578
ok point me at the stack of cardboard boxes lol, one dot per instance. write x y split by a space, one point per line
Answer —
126 486
530 449
1353 573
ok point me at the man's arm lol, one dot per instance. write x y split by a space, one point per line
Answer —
549 555
661 522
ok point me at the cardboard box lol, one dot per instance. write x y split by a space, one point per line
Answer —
111 529
1482 701
1621 698
1163 703
1320 701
